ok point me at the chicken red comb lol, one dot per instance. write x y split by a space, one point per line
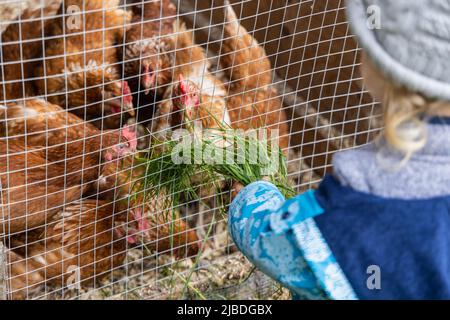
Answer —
126 88
183 86
127 93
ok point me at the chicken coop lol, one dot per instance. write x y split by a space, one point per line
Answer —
88 86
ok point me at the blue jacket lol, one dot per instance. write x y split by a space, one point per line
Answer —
338 243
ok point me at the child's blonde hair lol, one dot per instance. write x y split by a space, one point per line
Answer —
405 112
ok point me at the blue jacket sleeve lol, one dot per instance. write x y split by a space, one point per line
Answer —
260 223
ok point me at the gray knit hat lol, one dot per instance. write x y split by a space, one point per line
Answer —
411 42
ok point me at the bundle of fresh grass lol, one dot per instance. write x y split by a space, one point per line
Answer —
238 156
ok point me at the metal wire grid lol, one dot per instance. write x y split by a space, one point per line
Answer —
315 71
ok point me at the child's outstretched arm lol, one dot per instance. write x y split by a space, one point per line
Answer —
260 221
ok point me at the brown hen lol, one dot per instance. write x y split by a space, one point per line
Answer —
194 91
21 50
65 135
148 56
47 172
60 134
32 189
82 70
152 220
253 102
80 245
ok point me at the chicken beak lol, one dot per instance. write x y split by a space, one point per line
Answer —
117 106
124 232
131 239
128 104
128 107
127 99
148 81
108 157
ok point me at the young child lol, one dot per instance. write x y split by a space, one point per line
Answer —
379 226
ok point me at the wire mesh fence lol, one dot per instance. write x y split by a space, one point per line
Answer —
87 87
